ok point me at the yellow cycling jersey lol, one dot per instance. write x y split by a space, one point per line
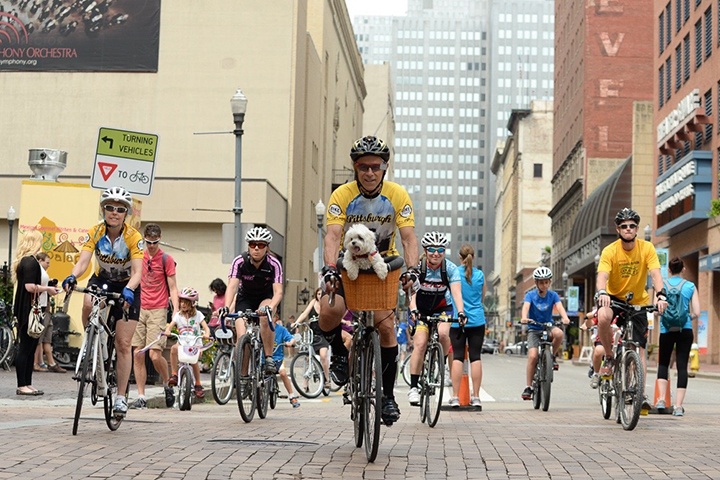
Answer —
113 258
628 270
383 214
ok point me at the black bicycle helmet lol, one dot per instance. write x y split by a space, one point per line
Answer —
627 214
369 146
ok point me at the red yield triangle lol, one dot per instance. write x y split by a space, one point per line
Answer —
106 169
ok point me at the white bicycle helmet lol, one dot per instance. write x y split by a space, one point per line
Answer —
542 273
116 194
258 234
434 239
189 293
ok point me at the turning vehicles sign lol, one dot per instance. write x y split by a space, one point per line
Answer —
125 159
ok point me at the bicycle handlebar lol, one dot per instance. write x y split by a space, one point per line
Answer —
249 315
554 323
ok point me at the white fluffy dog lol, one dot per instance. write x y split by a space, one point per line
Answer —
361 253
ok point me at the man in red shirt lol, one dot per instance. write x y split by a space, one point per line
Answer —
158 285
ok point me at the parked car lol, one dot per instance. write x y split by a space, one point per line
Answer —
516 348
490 346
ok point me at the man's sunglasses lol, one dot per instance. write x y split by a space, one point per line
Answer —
113 208
435 249
151 242
375 168
628 226
257 245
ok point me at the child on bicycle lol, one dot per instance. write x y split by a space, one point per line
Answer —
188 319
283 339
538 306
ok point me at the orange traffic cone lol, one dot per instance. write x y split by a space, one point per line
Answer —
668 403
464 394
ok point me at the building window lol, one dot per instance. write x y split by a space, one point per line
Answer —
678 68
661 32
708 113
708 32
668 78
687 10
678 15
698 44
537 170
668 22
686 58
661 85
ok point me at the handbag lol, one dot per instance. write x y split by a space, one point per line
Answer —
35 320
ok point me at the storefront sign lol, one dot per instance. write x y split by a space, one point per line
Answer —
674 199
678 176
678 117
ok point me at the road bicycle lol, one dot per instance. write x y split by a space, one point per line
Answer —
363 297
222 377
9 341
405 365
543 376
627 383
96 362
432 377
250 386
306 372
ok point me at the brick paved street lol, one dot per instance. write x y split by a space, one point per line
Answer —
508 439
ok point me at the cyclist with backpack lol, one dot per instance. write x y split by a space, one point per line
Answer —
256 277
623 268
440 292
159 290
676 332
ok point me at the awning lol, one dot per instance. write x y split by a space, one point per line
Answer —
710 262
594 225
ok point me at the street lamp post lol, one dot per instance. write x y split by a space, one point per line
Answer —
648 232
320 215
238 103
11 222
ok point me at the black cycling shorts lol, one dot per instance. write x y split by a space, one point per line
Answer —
133 312
639 320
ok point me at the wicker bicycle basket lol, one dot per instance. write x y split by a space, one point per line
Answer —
368 292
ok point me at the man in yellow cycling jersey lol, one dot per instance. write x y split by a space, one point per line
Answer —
624 267
118 249
383 207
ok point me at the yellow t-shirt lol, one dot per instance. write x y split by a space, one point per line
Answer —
628 270
383 214
113 258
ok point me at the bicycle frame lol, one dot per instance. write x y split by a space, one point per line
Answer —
432 376
543 376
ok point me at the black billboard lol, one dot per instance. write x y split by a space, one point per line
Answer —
79 35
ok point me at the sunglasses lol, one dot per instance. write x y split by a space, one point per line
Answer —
151 242
435 249
113 208
257 245
628 226
375 168
149 265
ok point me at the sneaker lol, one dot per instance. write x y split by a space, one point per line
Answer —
294 402
606 369
169 397
390 411
245 386
121 407
173 380
448 380
56 368
556 365
660 406
414 397
646 403
454 402
339 370
678 411
139 404
594 381
199 391
475 402
527 393
270 367
39 368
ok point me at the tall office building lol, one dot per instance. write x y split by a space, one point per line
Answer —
452 96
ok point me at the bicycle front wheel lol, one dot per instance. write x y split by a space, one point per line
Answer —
356 400
307 375
6 345
244 390
371 391
434 382
604 391
111 420
273 389
222 379
537 380
263 395
546 379
631 396
405 369
83 374
185 386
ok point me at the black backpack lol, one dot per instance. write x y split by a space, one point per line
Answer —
675 315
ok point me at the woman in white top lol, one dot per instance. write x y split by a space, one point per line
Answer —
45 340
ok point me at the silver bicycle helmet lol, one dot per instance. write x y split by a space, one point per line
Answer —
542 273
627 214
434 239
369 146
258 234
116 194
